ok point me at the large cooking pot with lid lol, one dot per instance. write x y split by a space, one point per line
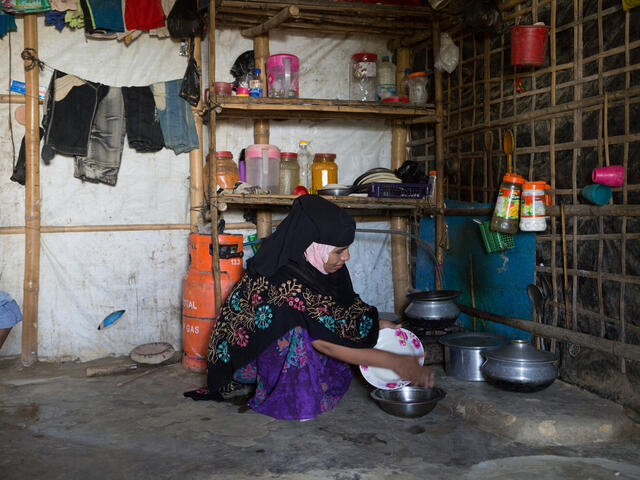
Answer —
520 367
463 353
437 308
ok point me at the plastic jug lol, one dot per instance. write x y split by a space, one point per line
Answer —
263 166
282 76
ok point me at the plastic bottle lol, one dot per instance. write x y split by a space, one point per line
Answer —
305 157
532 207
386 86
255 84
403 90
506 214
431 187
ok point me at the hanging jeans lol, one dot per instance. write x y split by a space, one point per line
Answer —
70 108
104 153
143 129
176 118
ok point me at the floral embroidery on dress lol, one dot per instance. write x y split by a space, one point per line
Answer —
261 392
255 299
296 303
416 343
223 352
263 316
365 326
235 301
241 337
246 374
252 303
327 321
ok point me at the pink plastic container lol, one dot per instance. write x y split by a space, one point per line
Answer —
263 166
282 76
612 176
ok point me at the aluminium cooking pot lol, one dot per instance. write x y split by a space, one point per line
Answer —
435 309
463 353
520 367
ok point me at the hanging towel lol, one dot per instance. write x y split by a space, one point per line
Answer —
106 15
143 14
30 6
64 5
55 18
7 22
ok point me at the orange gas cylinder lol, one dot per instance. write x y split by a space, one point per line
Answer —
198 303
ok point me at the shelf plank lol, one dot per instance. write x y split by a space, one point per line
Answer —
361 203
335 16
285 108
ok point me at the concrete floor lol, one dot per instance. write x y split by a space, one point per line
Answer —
57 424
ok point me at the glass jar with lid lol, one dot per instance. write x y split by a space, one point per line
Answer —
417 83
227 170
324 170
289 172
362 78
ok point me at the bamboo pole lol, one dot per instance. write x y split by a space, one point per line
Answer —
439 153
632 352
283 15
213 167
196 195
399 262
261 127
15 99
32 200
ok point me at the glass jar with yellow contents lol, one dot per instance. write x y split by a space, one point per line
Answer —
324 170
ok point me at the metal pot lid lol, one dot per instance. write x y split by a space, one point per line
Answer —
520 351
472 341
434 296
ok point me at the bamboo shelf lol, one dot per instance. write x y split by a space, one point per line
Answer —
330 17
364 203
310 108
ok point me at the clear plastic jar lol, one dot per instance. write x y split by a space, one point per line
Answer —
532 207
507 211
289 172
417 83
324 170
362 78
305 159
227 170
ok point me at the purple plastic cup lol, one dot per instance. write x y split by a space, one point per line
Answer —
612 176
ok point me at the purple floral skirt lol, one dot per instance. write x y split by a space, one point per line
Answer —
293 380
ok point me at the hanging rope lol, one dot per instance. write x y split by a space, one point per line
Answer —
29 55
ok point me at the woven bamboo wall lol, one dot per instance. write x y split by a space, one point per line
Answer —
578 111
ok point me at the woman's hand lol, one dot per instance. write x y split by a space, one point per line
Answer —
388 324
407 367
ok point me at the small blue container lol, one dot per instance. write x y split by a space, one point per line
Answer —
597 194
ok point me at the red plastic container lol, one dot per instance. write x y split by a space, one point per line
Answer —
528 45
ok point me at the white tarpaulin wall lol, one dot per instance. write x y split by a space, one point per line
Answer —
86 276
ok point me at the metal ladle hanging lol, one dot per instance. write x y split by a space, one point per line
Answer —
508 144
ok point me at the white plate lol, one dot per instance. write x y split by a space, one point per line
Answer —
399 341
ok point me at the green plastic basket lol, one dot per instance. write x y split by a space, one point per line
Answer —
495 241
